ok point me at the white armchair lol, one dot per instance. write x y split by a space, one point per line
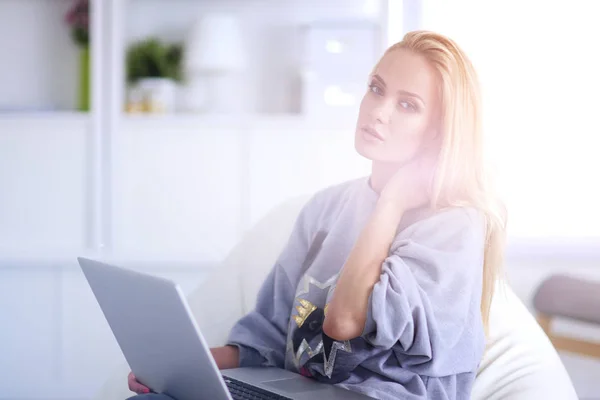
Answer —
520 363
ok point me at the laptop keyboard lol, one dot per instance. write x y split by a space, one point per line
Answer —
243 391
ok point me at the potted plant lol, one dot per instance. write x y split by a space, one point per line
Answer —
78 19
153 72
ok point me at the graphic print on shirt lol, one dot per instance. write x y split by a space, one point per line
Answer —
307 342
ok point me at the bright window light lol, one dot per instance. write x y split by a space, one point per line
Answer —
540 72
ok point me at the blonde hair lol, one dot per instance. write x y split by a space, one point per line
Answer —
460 179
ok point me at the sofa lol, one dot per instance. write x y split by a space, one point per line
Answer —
519 363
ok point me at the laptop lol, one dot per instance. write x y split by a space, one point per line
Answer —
158 335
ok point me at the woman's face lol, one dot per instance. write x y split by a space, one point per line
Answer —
399 110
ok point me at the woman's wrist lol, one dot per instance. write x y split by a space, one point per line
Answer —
226 357
390 208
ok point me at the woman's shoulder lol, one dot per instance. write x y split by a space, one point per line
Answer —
326 204
337 193
451 217
466 223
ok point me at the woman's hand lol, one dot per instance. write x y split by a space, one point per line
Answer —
226 357
135 386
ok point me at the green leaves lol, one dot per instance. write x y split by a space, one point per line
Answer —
151 58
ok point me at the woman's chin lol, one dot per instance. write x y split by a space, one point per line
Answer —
368 150
378 151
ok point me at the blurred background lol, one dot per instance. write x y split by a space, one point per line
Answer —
154 133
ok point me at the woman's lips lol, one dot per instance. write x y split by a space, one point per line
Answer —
372 132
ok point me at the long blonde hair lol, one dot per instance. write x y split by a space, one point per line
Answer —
460 178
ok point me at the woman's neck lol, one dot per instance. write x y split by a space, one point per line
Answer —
381 173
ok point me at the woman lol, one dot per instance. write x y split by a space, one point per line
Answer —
386 282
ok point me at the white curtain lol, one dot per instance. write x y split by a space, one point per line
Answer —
539 65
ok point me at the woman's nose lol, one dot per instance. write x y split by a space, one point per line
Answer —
382 112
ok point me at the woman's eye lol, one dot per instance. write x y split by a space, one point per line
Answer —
375 89
407 106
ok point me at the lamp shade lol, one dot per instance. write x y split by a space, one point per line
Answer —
215 44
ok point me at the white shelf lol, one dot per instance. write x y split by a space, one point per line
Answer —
273 35
51 116
254 121
162 121
67 259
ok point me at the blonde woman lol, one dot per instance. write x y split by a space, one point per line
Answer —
385 285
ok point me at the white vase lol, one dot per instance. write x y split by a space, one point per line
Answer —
158 95
216 93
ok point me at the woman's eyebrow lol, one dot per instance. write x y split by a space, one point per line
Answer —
403 92
411 94
377 77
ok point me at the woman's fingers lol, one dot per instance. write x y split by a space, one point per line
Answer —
135 386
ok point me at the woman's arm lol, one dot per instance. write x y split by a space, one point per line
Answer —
427 297
260 336
226 357
347 310
408 188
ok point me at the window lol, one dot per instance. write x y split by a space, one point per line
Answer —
539 66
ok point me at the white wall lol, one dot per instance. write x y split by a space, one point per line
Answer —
190 189
43 183
39 62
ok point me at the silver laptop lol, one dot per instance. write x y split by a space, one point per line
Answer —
152 323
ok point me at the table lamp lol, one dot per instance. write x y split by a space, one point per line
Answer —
214 62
